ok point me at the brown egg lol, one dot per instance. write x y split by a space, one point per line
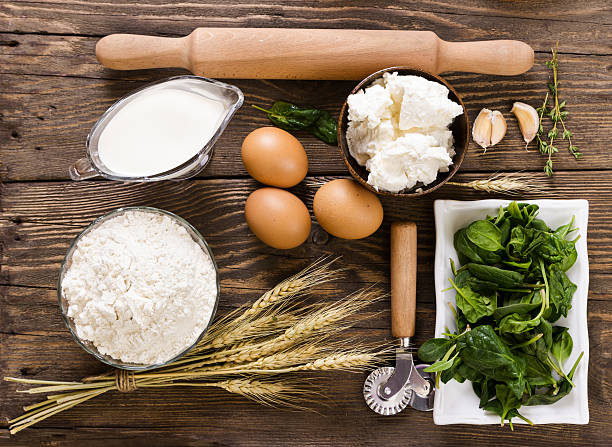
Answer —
274 157
346 209
277 217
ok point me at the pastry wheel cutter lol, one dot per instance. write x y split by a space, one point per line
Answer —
388 390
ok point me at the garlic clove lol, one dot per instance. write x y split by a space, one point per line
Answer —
498 127
481 131
528 120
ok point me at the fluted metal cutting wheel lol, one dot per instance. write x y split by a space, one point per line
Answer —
381 406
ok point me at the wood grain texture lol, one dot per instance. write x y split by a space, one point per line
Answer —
306 53
45 119
403 265
52 90
203 416
40 219
539 23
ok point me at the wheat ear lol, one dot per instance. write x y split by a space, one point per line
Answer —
266 392
506 183
293 287
322 321
317 273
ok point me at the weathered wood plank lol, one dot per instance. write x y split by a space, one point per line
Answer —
363 435
40 220
206 413
583 26
45 119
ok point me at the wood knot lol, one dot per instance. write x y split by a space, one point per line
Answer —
125 381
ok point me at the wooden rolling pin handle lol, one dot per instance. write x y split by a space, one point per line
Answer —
133 52
496 57
403 278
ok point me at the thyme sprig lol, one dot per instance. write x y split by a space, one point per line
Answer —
557 115
543 146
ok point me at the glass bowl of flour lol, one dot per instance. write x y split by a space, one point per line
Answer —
138 288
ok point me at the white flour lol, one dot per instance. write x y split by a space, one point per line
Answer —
140 288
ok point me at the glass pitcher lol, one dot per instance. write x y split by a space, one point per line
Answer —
92 166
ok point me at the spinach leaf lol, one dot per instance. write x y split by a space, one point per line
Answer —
442 364
530 211
458 377
518 308
288 116
451 372
537 372
485 390
470 252
495 406
517 323
570 259
505 227
519 265
515 212
434 349
522 213
555 394
520 298
485 235
483 287
506 413
553 249
472 304
539 224
325 128
469 373
505 278
538 349
291 117
501 216
538 239
557 330
465 279
485 352
564 230
550 397
546 330
520 238
464 247
562 346
507 398
560 295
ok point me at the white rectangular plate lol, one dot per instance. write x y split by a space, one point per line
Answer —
456 403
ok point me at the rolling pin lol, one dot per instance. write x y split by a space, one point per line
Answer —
282 53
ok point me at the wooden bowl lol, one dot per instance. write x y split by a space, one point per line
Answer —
459 127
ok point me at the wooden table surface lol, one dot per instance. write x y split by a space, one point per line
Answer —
52 90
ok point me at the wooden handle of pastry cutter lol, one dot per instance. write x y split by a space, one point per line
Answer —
403 278
282 53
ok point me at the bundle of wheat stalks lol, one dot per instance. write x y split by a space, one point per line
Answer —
248 352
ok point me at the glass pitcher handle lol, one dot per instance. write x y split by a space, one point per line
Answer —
82 170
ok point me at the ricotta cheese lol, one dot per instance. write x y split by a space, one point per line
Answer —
398 130
140 288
